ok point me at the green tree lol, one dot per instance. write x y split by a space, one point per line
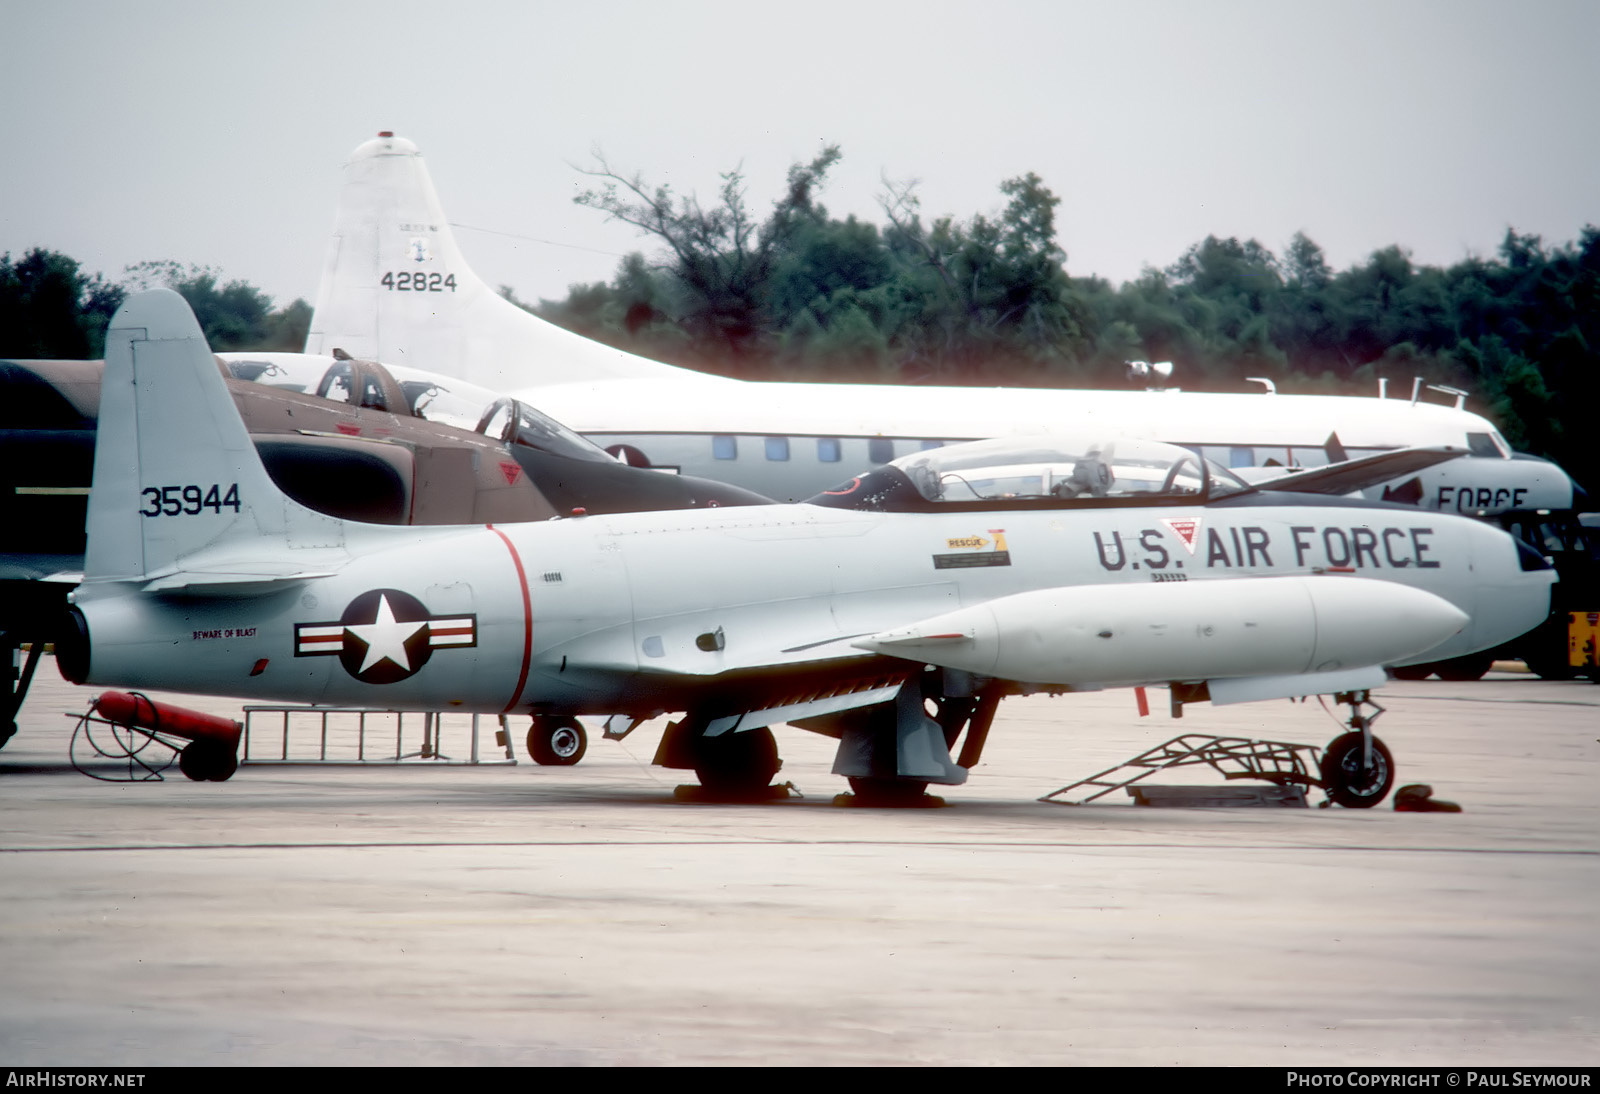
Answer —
49 308
234 315
987 300
723 258
994 293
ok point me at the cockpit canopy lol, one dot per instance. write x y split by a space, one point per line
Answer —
414 393
1036 472
516 422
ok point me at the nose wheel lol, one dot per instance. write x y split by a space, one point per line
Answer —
1357 769
557 742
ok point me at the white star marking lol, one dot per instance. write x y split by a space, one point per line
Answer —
386 637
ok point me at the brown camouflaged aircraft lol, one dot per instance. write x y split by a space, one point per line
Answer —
343 436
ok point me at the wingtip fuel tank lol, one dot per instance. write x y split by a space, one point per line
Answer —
1108 636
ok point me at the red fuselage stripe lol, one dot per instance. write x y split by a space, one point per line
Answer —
527 619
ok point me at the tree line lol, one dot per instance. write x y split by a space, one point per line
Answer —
51 308
795 293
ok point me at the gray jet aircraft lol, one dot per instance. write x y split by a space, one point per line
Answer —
892 613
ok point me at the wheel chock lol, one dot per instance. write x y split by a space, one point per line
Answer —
1418 798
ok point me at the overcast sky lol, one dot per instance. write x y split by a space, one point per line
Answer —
214 132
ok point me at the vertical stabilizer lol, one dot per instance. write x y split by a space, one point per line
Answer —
175 473
396 289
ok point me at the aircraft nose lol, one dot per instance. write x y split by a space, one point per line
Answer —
1511 590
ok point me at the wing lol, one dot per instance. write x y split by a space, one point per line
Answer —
1359 474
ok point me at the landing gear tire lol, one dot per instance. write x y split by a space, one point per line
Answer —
889 792
1412 672
737 764
203 761
557 742
1462 669
8 730
1350 784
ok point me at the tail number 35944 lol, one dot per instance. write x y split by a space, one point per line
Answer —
176 501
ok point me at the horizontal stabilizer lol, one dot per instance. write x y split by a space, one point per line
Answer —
234 581
66 569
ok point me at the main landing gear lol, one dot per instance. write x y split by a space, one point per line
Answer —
890 751
1357 769
737 765
733 765
893 752
556 742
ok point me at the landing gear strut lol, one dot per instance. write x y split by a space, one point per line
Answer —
11 700
893 751
1357 768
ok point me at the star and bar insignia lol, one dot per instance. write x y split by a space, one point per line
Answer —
384 636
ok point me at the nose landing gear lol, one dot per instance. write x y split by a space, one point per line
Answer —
1357 769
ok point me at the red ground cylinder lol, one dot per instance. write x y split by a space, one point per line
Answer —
136 710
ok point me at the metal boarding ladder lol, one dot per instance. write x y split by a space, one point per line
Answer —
1277 762
306 735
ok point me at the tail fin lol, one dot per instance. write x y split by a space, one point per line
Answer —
396 289
180 496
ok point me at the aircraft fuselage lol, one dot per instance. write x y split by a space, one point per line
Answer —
645 613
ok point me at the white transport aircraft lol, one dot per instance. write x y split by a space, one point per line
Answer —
396 288
949 578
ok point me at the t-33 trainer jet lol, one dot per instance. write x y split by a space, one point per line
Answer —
893 613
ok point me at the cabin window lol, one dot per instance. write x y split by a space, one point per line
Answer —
880 450
928 446
777 448
1481 444
724 447
828 450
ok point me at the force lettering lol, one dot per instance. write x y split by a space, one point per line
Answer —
1254 547
1466 499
